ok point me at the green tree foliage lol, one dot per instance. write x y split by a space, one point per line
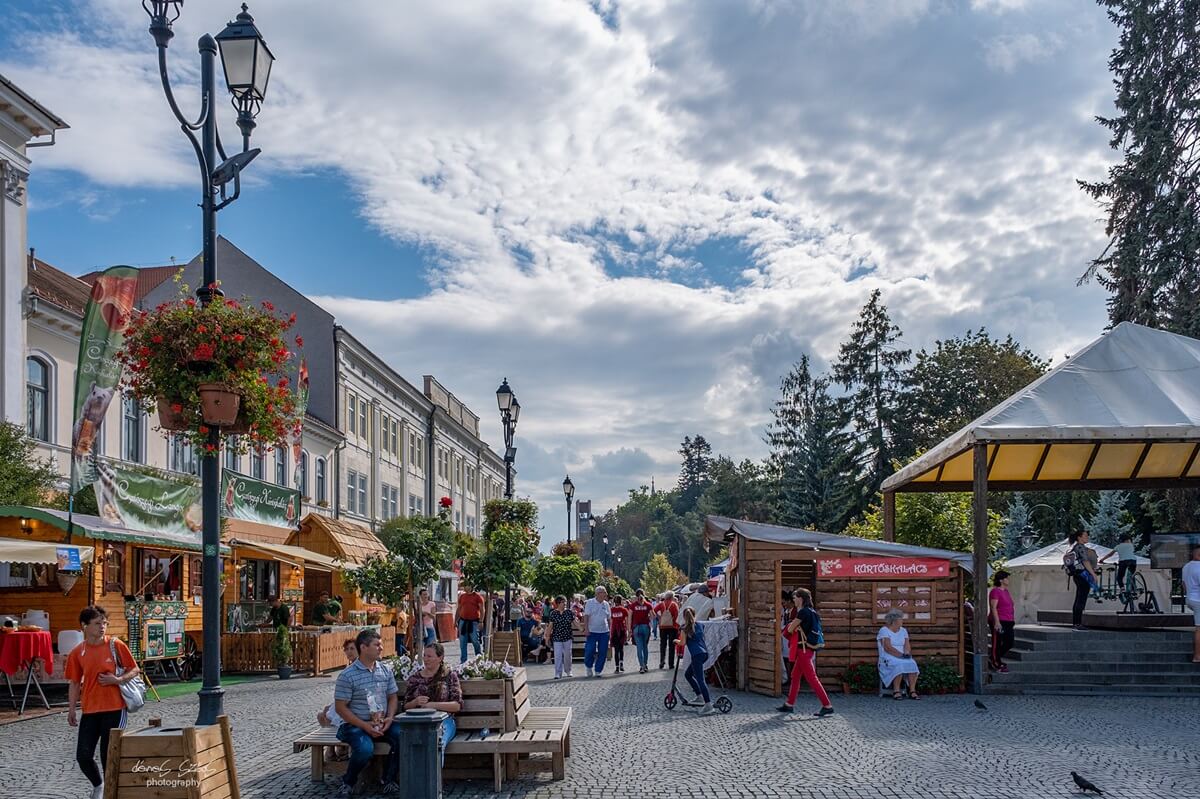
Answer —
960 379
508 542
1151 265
382 577
25 479
736 491
564 574
1110 520
870 367
1015 523
694 471
941 521
648 523
659 575
616 586
418 547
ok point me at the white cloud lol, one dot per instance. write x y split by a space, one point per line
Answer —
566 163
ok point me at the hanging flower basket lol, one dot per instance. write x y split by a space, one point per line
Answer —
66 581
219 404
223 365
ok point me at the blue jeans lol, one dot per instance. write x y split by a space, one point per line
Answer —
430 636
654 626
449 730
641 638
695 677
362 749
595 650
468 629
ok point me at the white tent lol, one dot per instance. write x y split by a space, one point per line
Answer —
1039 583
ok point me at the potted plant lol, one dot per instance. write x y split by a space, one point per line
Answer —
937 677
861 678
281 650
221 365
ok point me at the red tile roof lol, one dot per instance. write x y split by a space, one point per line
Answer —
56 286
149 278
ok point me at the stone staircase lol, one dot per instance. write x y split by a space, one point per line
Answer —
1059 660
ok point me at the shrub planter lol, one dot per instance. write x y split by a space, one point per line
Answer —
285 672
168 419
218 404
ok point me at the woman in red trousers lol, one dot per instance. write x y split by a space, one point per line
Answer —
803 634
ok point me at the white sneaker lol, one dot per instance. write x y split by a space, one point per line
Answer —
589 671
708 709
98 791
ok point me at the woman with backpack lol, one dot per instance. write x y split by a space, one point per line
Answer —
806 637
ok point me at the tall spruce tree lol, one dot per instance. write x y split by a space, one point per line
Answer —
1014 526
1111 520
871 367
693 472
1151 265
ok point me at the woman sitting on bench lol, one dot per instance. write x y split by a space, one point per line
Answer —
436 687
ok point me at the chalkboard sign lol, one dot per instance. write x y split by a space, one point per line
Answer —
915 600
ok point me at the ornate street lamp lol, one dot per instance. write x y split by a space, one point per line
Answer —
568 492
247 65
510 411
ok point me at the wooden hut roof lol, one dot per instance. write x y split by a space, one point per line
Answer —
352 542
718 529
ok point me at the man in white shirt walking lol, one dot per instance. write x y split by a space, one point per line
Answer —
597 619
1191 584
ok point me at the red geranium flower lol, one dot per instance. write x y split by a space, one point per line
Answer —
445 502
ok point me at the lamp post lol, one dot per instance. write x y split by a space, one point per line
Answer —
246 61
592 529
568 492
510 411
1059 515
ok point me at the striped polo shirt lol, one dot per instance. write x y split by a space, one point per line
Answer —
365 689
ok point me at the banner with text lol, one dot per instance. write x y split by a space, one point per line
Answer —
143 501
882 568
257 501
104 320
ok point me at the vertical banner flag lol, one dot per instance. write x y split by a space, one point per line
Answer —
104 320
298 433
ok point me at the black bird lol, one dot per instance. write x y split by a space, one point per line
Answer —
1084 785
980 705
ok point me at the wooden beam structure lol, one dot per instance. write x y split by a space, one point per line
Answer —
979 631
889 516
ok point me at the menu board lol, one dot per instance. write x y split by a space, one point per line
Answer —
914 600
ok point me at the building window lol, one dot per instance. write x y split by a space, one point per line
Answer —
321 480
37 399
256 464
232 460
302 484
363 430
389 498
457 520
181 457
356 493
412 448
160 573
471 525
416 505
280 466
395 439
131 430
352 413
362 494
114 568
258 580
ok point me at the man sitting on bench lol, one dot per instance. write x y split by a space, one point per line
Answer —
365 698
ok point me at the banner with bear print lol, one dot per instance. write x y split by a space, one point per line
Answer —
98 372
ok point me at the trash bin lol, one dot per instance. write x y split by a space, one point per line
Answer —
419 761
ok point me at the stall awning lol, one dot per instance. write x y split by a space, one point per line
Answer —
14 550
718 529
298 556
1124 412
95 527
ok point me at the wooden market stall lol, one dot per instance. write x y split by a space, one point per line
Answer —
350 545
854 581
148 581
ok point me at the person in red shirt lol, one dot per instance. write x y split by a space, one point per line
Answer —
468 617
619 617
668 628
92 674
640 613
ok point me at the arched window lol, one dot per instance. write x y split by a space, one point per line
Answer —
321 497
281 465
37 395
302 485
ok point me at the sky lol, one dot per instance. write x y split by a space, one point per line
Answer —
640 213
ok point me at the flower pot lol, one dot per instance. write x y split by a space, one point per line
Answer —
169 419
66 581
218 404
285 672
240 425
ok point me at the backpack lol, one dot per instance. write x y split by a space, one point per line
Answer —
818 633
1070 561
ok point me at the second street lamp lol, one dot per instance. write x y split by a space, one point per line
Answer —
568 492
510 411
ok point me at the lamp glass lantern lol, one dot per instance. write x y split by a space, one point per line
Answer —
516 411
504 396
568 488
247 60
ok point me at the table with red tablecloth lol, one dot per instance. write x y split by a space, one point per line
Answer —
20 651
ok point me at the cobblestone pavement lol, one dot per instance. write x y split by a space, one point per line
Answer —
625 744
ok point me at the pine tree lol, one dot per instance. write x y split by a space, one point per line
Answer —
1151 265
818 489
1015 525
693 472
870 366
1111 520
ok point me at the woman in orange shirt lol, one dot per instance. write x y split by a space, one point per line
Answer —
92 672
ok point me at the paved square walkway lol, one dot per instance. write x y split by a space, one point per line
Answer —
625 744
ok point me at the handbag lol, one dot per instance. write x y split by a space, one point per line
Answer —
132 691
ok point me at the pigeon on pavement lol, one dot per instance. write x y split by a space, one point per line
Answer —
980 705
1085 785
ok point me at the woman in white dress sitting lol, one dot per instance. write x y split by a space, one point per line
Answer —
895 655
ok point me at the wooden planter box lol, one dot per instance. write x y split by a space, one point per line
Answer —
172 763
498 705
505 647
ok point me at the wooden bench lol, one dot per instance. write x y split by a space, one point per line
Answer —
516 730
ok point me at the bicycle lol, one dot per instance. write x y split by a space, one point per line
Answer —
1134 596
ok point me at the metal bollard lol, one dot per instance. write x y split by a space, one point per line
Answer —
420 767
